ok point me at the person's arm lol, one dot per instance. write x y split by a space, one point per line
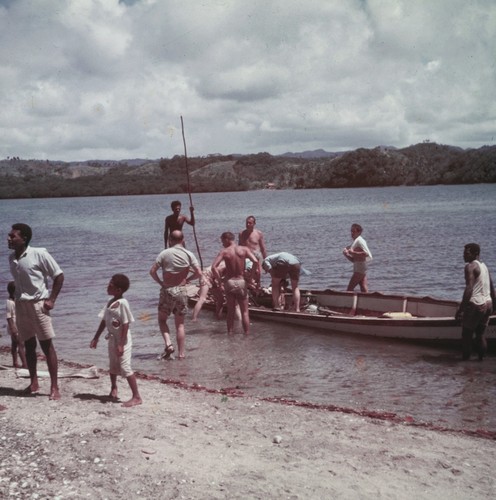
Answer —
166 233
469 287
346 253
12 327
94 341
215 268
493 294
122 339
197 274
262 246
250 255
357 252
57 286
154 273
191 220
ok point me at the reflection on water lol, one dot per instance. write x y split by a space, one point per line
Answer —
415 234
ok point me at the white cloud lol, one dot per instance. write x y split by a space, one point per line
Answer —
84 79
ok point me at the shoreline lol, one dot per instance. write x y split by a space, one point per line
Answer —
186 441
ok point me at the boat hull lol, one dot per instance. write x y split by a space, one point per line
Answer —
422 319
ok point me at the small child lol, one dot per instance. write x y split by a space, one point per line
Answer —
116 316
359 254
17 345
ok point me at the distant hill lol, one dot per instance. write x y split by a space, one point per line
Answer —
317 153
420 164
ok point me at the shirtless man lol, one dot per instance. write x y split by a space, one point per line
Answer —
176 220
234 285
254 240
477 303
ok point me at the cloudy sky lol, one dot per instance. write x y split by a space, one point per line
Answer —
110 79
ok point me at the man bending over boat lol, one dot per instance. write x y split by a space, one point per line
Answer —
235 288
359 254
477 302
280 266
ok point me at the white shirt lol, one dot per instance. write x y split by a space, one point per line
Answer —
31 272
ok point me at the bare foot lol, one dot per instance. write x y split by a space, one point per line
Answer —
113 395
54 394
132 402
32 388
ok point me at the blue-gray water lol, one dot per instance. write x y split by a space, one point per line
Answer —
416 235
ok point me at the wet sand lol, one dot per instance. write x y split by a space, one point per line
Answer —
184 442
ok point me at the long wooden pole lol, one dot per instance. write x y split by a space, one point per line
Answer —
189 192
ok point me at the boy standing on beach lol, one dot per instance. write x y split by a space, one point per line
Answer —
116 317
359 254
17 346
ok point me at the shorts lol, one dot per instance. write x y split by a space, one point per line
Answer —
282 271
32 320
236 287
360 267
119 365
173 300
476 316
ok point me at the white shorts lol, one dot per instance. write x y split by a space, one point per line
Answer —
119 365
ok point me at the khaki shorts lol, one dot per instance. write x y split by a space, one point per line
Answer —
33 320
282 271
236 287
173 300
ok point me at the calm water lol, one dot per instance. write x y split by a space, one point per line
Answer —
416 235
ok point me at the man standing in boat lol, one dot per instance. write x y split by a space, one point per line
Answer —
176 220
477 302
253 239
359 254
234 284
176 263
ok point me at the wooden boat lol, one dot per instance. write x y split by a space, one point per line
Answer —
424 319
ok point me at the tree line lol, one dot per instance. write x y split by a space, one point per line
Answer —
421 164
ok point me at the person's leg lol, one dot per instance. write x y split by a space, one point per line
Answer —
136 398
355 280
364 287
31 359
13 350
201 300
245 315
276 292
231 312
180 335
481 341
164 330
51 358
296 295
22 353
467 334
113 386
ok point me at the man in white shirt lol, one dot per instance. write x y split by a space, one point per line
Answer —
31 268
477 302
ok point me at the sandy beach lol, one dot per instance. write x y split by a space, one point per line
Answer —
186 442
